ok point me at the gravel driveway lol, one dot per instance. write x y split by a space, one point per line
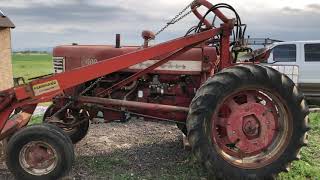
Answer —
133 150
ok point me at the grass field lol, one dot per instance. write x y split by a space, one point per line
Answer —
33 65
307 168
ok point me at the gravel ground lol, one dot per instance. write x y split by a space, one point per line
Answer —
133 150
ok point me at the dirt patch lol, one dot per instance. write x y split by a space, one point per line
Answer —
133 150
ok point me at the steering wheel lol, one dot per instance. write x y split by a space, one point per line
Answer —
208 5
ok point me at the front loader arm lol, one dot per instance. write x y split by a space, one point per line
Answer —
78 76
43 90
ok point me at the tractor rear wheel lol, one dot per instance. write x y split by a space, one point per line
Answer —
248 122
70 117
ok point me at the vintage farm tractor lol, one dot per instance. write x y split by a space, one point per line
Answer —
243 120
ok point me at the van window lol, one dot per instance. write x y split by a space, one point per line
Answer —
312 52
285 53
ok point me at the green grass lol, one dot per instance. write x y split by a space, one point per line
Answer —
35 120
309 165
31 65
104 166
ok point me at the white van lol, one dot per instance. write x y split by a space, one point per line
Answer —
306 56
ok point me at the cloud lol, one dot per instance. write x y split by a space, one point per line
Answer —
310 8
287 24
291 10
52 22
18 4
314 7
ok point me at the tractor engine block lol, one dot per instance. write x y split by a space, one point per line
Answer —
174 83
176 90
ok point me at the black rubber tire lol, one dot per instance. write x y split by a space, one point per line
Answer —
183 128
62 134
75 136
223 84
50 134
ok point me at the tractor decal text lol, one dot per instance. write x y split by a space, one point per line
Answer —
172 65
46 87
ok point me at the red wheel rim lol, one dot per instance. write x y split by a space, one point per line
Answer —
38 158
250 128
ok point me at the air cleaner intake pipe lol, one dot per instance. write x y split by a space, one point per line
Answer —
118 40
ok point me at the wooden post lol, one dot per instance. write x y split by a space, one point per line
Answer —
6 76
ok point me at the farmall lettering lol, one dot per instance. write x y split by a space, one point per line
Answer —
89 61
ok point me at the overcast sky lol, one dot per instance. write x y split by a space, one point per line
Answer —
47 23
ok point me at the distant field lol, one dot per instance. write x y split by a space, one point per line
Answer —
31 65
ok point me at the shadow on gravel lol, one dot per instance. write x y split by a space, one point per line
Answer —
165 160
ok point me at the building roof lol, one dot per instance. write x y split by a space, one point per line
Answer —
5 22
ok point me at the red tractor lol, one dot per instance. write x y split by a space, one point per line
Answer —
243 120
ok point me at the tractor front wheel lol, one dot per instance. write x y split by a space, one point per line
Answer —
248 122
39 152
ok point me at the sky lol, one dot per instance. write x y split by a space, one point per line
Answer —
48 23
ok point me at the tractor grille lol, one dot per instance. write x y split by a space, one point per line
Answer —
58 64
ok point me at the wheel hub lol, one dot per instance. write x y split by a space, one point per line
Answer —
246 124
38 158
251 126
252 129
